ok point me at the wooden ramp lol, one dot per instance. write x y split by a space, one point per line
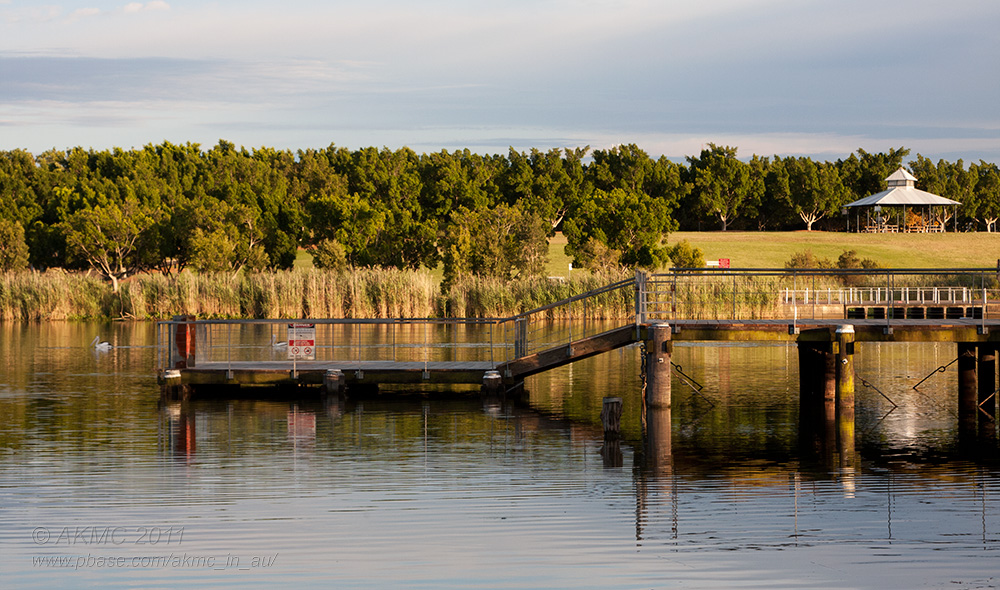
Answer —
526 366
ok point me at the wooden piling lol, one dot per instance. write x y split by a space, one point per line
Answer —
334 381
611 418
987 377
845 370
492 382
845 394
659 348
807 372
967 388
659 437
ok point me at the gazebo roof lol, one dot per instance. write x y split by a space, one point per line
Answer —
901 192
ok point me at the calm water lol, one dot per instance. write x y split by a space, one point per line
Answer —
101 486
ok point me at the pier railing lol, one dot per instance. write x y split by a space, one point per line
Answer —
344 341
821 294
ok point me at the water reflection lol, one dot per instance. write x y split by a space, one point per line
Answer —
736 486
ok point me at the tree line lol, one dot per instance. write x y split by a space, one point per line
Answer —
169 207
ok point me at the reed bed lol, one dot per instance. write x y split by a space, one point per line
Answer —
387 293
52 295
488 297
361 293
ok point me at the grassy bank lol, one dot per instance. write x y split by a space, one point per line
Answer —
381 293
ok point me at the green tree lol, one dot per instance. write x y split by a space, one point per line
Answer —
864 174
229 238
503 242
13 249
950 180
683 255
106 236
723 183
629 222
329 254
813 190
985 198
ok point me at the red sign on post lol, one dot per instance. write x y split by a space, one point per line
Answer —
723 263
302 341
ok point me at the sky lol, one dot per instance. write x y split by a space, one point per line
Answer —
771 77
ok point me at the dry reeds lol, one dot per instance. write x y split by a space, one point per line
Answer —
356 293
52 295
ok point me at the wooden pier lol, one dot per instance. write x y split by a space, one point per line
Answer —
828 325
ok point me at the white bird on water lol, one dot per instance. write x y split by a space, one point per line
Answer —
276 344
98 345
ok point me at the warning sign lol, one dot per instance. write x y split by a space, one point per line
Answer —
302 341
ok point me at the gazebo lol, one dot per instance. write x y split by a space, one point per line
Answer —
915 210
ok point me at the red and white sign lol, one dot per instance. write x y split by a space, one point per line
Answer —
302 341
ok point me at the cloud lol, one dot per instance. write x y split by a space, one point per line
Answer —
84 13
154 5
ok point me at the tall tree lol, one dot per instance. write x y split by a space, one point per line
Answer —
631 223
723 183
985 198
813 190
504 242
107 236
13 249
864 174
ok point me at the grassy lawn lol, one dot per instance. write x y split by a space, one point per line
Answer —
773 249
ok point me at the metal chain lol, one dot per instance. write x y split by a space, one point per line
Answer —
941 369
870 386
642 371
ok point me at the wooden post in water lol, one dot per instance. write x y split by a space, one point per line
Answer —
492 382
845 394
808 357
987 377
659 437
967 389
828 377
334 381
845 370
659 347
611 418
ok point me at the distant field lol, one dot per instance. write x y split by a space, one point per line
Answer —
773 249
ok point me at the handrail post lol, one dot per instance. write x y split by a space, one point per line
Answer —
520 337
640 297
888 299
734 296
795 297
